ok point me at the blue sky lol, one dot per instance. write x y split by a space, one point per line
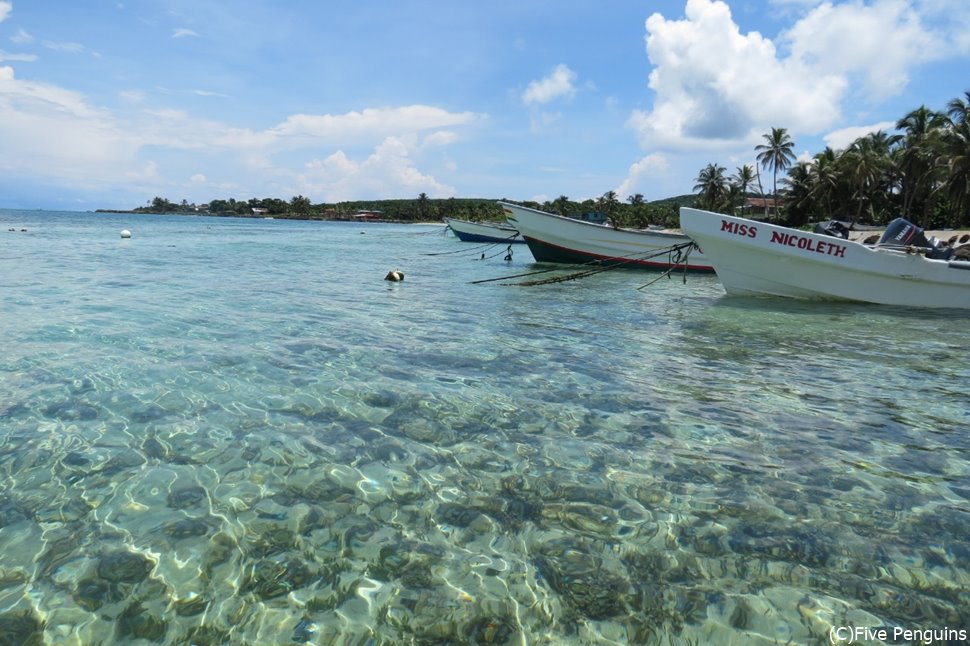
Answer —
109 104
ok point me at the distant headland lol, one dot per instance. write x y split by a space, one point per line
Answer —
637 212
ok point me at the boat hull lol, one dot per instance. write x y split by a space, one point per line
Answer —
756 258
483 232
554 238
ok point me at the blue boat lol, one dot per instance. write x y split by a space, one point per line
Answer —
483 231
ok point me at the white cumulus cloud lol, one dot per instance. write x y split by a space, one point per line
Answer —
57 133
644 168
844 137
388 172
880 42
371 122
716 84
560 83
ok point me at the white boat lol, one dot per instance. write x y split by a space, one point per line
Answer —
483 231
554 238
903 268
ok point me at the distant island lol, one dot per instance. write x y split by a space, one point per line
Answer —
636 212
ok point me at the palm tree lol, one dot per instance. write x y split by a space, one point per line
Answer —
776 154
798 194
825 179
423 205
300 205
868 165
608 203
956 146
742 179
561 205
917 160
712 187
636 214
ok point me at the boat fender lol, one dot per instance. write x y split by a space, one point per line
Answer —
508 256
394 276
125 233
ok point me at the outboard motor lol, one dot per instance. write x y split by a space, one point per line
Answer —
903 233
833 228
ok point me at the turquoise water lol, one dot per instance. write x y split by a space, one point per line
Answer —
235 431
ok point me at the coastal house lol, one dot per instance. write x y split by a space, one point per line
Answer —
758 205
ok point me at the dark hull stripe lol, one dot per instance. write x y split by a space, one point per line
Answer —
545 252
474 237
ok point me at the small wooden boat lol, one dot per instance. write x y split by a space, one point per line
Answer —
554 238
483 231
902 268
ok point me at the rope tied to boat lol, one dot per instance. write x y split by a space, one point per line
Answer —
486 246
678 262
508 253
675 253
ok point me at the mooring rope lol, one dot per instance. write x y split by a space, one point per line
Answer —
485 245
615 262
528 273
677 260
507 252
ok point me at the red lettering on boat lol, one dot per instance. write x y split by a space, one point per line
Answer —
739 229
808 244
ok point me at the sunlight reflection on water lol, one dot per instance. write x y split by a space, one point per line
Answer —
235 430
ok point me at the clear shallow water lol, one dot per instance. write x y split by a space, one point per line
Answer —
235 431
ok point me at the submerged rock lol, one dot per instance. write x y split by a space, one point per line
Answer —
186 497
20 629
91 594
124 567
492 630
193 604
137 622
206 636
71 410
11 578
584 581
186 528
270 579
271 539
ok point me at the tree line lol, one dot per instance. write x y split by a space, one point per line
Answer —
420 209
635 212
921 173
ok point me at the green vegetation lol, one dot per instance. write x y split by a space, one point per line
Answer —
922 174
635 213
421 209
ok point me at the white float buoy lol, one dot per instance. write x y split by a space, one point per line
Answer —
125 233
